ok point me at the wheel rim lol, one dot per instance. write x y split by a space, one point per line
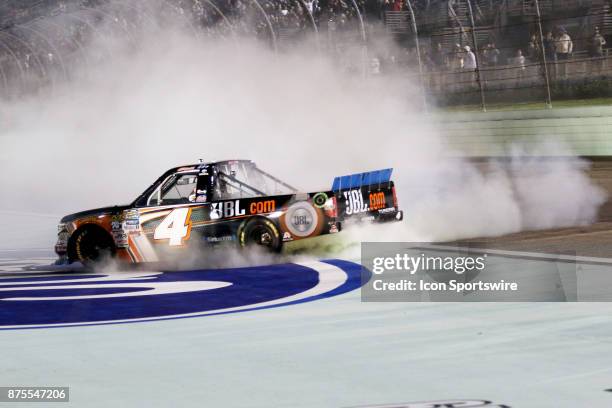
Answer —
261 236
266 239
92 247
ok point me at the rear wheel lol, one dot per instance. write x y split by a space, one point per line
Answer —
91 245
261 232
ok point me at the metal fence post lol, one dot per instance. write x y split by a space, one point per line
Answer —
269 24
314 24
364 45
478 77
418 52
544 62
51 47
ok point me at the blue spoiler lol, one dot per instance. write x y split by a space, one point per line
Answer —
362 179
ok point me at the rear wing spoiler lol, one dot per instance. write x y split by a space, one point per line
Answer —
358 180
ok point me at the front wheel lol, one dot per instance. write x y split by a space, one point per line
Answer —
91 245
261 232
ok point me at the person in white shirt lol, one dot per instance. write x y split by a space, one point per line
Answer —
469 64
469 61
563 50
519 61
564 46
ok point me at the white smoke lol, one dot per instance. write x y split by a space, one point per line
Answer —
104 137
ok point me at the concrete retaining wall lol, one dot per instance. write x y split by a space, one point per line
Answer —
587 130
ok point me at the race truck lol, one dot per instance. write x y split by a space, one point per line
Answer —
230 201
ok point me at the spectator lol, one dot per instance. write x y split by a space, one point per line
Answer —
437 61
549 53
597 51
437 57
533 49
563 50
491 55
427 60
388 5
310 6
456 58
549 47
375 66
455 64
469 64
519 61
563 45
388 64
469 61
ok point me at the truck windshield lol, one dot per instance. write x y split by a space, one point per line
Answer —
239 179
176 189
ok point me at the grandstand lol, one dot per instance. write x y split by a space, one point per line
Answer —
504 27
523 50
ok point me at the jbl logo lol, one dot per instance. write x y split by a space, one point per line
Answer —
226 209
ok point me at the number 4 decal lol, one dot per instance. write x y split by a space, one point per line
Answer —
176 227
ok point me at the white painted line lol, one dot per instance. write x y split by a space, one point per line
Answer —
538 255
330 278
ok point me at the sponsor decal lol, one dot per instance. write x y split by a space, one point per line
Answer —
120 238
226 209
386 210
120 227
219 239
54 297
61 246
319 200
261 207
63 236
287 237
354 202
131 221
199 196
131 214
301 219
132 228
377 200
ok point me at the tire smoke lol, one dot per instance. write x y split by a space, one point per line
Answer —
170 98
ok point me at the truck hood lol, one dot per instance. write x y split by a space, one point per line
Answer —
95 212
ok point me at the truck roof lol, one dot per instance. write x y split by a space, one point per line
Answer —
202 165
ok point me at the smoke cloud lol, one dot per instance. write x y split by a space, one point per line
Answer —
171 98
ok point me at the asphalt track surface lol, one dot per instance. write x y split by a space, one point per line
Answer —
318 346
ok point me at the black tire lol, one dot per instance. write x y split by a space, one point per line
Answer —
261 232
90 245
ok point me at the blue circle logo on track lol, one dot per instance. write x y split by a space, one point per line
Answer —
59 299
